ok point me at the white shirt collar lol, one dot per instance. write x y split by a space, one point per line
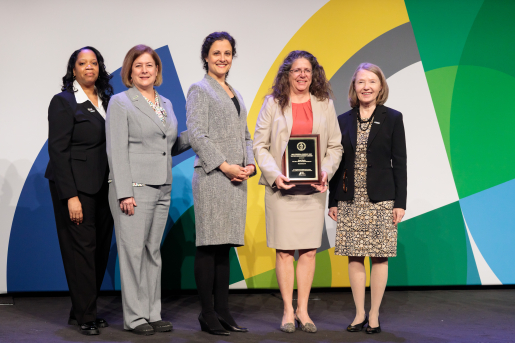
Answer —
81 97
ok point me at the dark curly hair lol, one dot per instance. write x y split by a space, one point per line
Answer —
104 88
320 86
209 40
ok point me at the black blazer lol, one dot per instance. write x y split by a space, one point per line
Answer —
386 157
76 146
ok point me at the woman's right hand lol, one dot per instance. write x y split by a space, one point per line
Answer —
333 213
75 210
280 182
127 205
234 172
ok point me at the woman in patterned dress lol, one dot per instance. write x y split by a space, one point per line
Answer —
368 193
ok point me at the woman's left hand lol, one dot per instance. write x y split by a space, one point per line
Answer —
248 170
398 213
322 187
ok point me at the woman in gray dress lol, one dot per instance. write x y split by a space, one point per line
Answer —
368 192
217 126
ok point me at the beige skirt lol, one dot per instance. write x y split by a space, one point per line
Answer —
294 221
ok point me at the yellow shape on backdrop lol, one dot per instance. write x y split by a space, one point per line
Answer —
340 270
333 34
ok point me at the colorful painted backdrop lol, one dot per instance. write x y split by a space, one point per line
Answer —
450 69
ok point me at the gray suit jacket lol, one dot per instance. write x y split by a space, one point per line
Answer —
212 121
218 134
139 146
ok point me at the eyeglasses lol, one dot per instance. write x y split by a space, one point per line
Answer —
299 71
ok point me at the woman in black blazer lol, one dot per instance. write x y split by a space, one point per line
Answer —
368 192
77 173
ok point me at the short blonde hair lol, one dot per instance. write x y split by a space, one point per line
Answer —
129 59
383 93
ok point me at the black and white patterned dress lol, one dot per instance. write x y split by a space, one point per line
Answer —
365 228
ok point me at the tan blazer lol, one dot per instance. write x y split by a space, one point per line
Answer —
273 130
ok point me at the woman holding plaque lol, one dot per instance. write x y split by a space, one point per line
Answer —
216 118
368 193
299 104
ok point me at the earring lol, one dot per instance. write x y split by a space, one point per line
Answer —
205 65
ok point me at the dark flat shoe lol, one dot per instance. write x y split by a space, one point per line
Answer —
229 327
371 330
144 330
161 326
89 328
101 323
357 327
205 327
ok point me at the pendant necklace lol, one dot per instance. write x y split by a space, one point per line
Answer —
366 122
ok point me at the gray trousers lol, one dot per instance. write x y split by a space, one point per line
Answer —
138 239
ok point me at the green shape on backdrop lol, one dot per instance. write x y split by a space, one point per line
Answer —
481 136
236 272
490 41
267 279
441 86
323 272
178 255
441 29
431 250
322 278
472 272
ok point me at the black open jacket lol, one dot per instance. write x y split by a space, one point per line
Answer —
386 158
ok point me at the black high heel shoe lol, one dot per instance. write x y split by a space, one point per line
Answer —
357 327
371 330
205 327
229 327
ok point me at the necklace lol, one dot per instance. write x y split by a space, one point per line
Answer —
365 122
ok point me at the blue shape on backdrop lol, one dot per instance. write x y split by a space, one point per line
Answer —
493 233
182 195
34 259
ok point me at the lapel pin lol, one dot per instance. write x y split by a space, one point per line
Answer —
91 110
135 97
376 122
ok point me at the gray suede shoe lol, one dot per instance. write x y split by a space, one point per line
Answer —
288 327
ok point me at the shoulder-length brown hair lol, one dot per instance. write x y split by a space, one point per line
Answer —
131 56
320 86
383 93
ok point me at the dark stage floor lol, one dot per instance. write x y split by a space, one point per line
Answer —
407 316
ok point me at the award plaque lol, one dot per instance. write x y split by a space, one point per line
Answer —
301 159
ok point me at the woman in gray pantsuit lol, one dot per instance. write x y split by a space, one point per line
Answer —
217 126
141 135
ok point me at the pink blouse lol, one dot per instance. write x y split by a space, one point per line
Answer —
302 118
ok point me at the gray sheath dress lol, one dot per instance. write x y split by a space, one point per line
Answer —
218 133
